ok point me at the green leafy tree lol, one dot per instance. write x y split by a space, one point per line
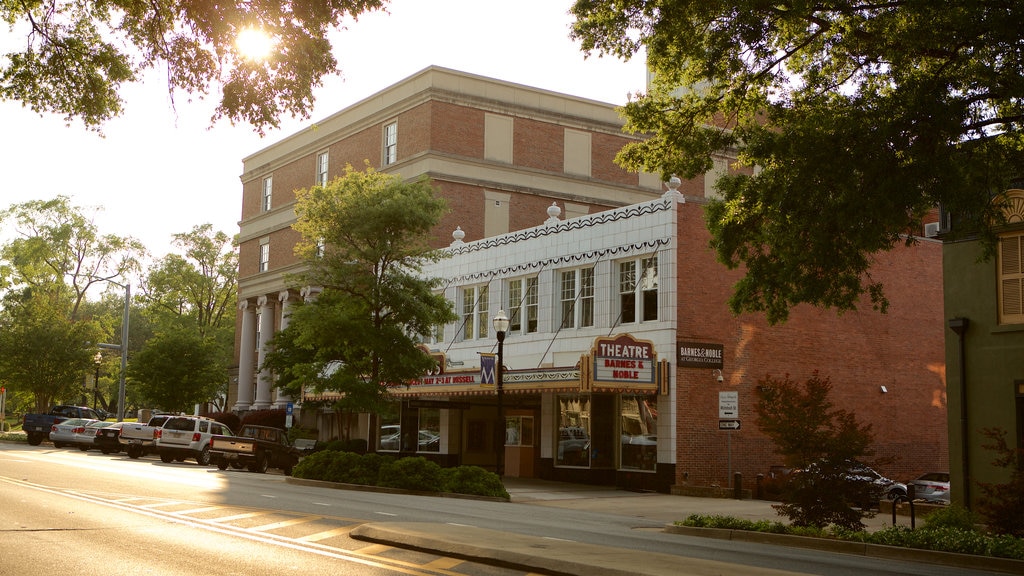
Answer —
57 248
365 237
820 442
194 291
77 55
43 351
860 118
178 369
54 257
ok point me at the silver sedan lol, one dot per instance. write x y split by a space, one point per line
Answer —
70 432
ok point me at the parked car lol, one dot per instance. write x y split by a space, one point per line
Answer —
69 432
881 487
184 437
87 439
256 448
108 438
932 487
138 439
38 426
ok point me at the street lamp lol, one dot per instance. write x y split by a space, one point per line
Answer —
500 323
98 359
123 347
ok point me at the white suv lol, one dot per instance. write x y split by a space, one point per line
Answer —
188 437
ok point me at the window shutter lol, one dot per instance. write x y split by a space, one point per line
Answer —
1011 280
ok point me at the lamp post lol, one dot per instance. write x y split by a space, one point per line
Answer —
500 323
97 359
123 347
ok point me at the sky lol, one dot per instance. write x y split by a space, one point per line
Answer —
160 169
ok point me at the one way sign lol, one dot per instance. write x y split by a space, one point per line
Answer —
728 424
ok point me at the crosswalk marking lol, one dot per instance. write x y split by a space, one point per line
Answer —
327 534
285 523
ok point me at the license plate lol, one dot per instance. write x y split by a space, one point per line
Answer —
135 441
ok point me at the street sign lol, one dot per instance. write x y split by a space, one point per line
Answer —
728 424
728 405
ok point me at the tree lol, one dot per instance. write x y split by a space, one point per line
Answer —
178 368
1002 503
56 255
77 55
200 285
860 118
365 237
43 352
188 299
822 443
56 248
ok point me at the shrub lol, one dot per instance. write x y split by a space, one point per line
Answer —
1002 504
472 480
274 418
315 466
415 473
229 419
951 516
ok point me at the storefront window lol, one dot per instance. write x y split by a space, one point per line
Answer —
573 431
638 417
389 437
519 431
429 430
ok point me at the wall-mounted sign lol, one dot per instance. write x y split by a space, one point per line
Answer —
624 359
699 355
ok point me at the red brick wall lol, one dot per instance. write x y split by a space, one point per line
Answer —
538 145
860 351
603 148
455 130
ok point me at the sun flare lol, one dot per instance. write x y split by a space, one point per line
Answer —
254 44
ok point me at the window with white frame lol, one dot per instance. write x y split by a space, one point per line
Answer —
638 290
321 168
522 305
390 143
264 255
576 294
474 312
268 190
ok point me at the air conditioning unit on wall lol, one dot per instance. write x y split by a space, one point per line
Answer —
931 230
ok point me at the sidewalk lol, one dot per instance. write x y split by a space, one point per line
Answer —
566 557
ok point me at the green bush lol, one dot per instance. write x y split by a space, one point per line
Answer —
951 516
416 473
315 466
472 480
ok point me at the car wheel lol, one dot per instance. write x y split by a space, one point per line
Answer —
896 496
261 464
222 464
134 452
203 457
166 458
83 448
237 465
35 439
58 444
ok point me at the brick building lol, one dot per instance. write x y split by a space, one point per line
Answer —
621 344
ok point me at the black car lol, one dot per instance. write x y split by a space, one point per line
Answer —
108 438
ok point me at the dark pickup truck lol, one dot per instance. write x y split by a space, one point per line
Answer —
37 426
256 448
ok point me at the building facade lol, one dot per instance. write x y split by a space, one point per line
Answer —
984 315
622 363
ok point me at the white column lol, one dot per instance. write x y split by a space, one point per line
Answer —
264 379
281 400
246 357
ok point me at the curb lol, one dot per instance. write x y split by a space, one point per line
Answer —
952 559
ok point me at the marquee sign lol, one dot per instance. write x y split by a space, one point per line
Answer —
624 360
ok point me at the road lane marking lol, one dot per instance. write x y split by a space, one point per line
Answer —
327 534
286 523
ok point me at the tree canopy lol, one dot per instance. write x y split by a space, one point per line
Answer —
365 237
77 55
854 120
